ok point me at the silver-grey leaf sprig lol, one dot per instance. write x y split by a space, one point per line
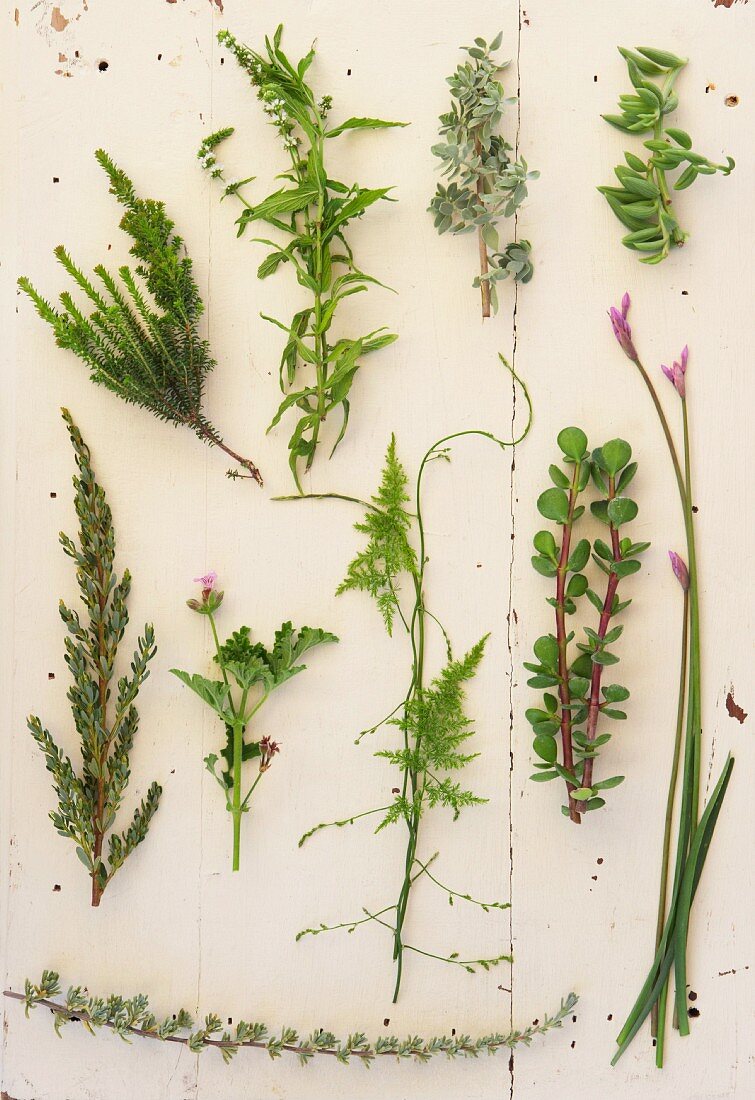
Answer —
484 182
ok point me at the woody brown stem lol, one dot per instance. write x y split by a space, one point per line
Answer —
214 439
483 248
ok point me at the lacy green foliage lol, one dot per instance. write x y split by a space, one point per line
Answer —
132 1017
89 802
434 729
484 183
256 672
311 212
377 569
642 200
149 353
576 698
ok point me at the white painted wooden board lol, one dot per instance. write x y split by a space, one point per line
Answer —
175 923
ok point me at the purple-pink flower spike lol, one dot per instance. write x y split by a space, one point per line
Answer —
621 329
680 569
677 371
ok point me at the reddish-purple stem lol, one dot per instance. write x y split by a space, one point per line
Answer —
563 664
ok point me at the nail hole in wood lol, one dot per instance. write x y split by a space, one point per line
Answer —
53 496
103 66
50 675
56 179
692 995
348 72
731 100
386 1021
56 888
693 1012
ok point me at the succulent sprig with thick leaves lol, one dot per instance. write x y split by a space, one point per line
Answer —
576 696
144 346
312 212
250 672
485 183
642 200
431 718
89 802
132 1018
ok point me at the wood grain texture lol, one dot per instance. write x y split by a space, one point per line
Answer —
170 918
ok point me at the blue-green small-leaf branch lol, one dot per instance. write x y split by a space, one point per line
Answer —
88 802
575 699
311 212
149 353
250 673
132 1018
434 731
642 198
484 183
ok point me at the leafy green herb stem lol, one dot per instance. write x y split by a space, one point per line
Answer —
561 634
593 712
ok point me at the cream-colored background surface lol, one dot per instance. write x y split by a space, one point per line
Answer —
175 923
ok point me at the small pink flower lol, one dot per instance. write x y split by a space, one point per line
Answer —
621 329
680 569
677 371
208 581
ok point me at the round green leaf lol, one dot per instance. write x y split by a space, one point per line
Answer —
558 477
545 543
621 510
553 504
626 568
573 442
579 557
546 651
577 585
544 566
582 794
616 454
546 748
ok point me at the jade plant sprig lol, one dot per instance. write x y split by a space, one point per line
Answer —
695 828
434 729
485 183
249 674
642 200
88 802
142 344
132 1018
311 213
577 698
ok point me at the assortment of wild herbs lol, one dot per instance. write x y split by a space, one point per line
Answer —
484 182
142 341
434 730
642 200
88 802
577 699
312 213
250 672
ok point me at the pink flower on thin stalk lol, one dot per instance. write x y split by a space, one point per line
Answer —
676 373
621 329
680 569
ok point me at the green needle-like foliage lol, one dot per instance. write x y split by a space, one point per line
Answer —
576 699
484 183
642 200
88 802
142 339
133 1018
312 213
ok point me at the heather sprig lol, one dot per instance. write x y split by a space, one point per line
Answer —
131 1017
142 340
89 802
484 183
249 674
311 212
434 743
695 828
577 699
642 200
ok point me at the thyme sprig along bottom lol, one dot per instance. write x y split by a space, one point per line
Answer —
433 727
132 1017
